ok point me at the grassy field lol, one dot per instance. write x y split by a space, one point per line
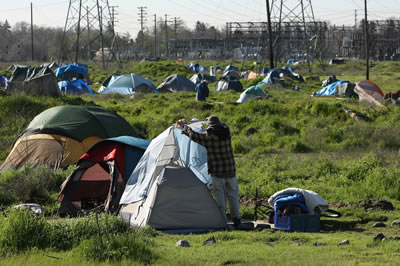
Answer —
299 141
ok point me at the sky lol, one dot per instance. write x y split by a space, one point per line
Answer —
213 12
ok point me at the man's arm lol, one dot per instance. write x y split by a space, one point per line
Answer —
200 138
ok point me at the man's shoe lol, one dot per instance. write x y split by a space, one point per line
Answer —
236 223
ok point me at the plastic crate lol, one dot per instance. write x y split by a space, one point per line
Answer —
297 222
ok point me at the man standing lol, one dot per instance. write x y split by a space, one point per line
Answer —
202 90
221 164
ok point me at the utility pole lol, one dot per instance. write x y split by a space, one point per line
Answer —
142 13
78 33
32 31
155 35
100 16
366 40
166 35
113 14
176 21
88 32
271 53
84 26
355 19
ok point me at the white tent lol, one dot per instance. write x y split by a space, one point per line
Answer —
168 188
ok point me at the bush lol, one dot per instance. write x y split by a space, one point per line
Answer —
133 246
21 231
39 185
63 234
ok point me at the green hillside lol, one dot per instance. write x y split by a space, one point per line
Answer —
296 141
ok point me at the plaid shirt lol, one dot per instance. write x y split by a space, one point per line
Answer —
221 162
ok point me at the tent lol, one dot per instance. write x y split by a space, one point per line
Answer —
252 92
197 78
194 67
168 188
337 61
108 81
3 81
175 83
73 71
60 135
101 175
276 73
370 92
338 88
231 68
37 81
75 87
130 84
228 82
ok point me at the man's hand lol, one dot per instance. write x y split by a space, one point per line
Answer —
180 123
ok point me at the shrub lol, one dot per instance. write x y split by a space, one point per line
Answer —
63 234
27 184
133 246
21 231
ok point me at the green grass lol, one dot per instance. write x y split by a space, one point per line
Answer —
299 141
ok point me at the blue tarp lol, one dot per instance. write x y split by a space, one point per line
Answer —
290 199
3 81
76 68
74 87
329 90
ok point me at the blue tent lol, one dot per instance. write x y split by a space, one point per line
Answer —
203 69
3 81
329 90
130 84
73 71
230 68
194 67
74 87
71 68
291 61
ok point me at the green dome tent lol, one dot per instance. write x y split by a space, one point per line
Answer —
60 135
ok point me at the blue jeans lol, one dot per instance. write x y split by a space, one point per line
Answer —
227 188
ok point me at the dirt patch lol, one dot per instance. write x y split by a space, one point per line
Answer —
377 204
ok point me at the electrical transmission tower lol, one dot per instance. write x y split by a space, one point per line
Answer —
88 31
296 27
142 14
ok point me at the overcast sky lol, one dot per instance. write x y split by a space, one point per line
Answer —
213 12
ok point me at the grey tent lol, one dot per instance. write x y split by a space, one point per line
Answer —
37 81
175 83
168 188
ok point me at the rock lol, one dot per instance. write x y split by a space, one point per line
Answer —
182 243
379 224
34 208
260 227
319 244
395 222
379 236
210 241
344 242
250 131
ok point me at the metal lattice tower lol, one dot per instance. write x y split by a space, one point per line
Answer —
88 31
296 23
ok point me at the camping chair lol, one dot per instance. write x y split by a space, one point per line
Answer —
262 210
